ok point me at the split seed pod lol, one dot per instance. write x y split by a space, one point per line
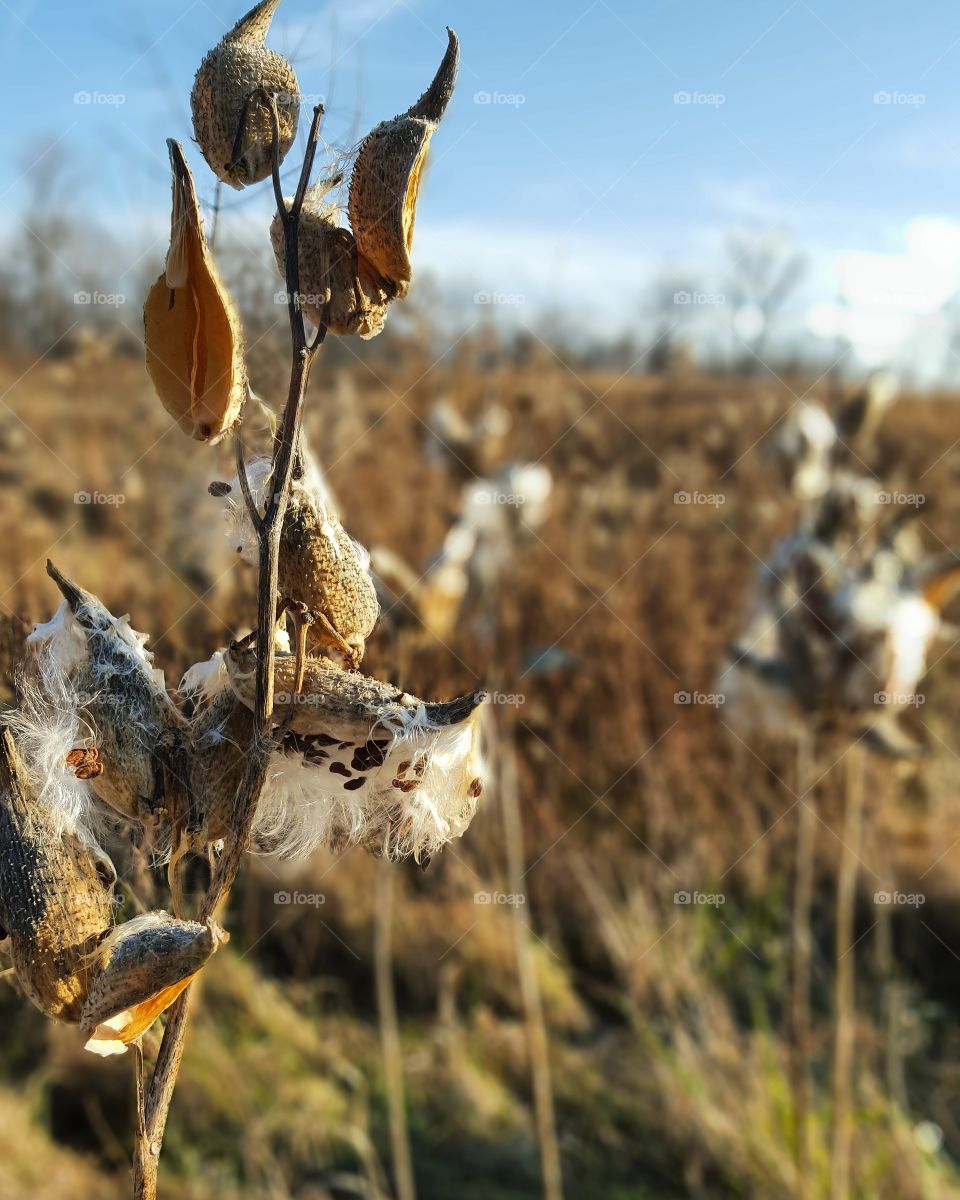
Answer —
321 566
56 907
387 175
232 125
56 896
333 288
363 761
109 678
192 332
139 969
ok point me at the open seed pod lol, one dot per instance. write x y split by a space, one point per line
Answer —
220 737
385 183
321 566
365 762
192 332
88 659
332 287
56 896
139 970
232 126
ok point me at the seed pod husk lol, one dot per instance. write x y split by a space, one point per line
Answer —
56 896
233 126
333 288
320 567
363 762
387 174
139 970
122 699
192 332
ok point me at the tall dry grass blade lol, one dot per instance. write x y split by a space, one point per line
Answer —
403 1178
802 947
845 983
537 1040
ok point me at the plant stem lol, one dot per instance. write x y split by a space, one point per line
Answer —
845 1015
149 1139
802 947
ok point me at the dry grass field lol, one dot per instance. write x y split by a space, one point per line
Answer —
667 1023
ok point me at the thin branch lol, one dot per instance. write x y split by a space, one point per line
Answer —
252 510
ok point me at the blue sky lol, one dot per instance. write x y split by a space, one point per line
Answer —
582 179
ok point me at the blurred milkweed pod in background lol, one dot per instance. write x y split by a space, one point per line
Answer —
232 124
192 332
333 289
387 175
363 762
57 909
94 666
321 566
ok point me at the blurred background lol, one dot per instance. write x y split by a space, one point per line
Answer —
652 238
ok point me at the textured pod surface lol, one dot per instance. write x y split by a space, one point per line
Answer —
139 970
120 697
234 131
320 566
220 737
387 175
56 897
332 287
192 332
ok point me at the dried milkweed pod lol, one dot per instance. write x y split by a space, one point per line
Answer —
233 124
321 567
56 895
363 761
385 183
138 971
94 662
333 288
192 332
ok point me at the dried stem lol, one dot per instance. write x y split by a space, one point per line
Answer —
845 1014
802 952
160 1093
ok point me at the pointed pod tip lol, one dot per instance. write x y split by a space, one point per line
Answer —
454 712
433 103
